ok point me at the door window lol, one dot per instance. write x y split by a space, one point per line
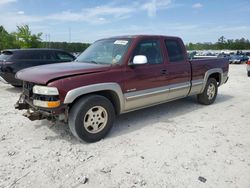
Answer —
151 49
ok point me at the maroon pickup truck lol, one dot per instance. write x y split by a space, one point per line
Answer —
114 76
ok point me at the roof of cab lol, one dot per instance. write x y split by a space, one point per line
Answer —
141 36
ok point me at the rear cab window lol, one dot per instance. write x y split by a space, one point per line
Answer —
174 50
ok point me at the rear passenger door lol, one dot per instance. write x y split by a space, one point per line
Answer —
178 68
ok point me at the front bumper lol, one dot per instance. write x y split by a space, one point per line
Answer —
38 113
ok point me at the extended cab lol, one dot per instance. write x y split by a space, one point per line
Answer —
117 75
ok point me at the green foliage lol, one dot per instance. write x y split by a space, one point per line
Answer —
222 43
70 47
25 39
7 40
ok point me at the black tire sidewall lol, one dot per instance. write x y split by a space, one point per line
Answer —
82 109
203 97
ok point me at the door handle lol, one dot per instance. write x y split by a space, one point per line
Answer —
163 71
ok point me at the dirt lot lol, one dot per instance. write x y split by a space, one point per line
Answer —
170 145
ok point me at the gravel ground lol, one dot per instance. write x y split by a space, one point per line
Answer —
177 144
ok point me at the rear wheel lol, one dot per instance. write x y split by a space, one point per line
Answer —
248 73
91 118
209 94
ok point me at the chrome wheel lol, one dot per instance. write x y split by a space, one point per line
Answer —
211 91
95 119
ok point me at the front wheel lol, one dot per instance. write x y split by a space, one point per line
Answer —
248 73
91 118
209 94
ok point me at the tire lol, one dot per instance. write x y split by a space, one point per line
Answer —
248 73
91 118
209 94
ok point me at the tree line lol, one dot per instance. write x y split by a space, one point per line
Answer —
23 38
221 44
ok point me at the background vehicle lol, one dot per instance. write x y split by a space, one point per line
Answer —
12 61
118 75
248 68
238 59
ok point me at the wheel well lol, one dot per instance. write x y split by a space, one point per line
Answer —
216 76
110 95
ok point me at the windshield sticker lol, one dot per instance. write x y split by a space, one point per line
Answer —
121 42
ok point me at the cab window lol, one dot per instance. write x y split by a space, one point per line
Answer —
174 49
151 49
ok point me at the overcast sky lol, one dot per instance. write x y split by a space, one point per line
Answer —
87 21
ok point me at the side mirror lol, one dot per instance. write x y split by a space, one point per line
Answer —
140 60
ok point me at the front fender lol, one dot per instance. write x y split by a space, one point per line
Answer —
77 92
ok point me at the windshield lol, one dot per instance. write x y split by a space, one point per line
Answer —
107 51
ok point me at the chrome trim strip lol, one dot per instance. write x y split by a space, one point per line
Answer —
132 97
183 85
150 97
155 91
74 93
197 82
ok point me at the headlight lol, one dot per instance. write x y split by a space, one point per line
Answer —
44 90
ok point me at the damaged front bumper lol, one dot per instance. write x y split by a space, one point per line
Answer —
37 113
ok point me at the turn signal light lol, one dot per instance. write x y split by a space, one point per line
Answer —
53 104
46 104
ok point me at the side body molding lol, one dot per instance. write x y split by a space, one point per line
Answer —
74 93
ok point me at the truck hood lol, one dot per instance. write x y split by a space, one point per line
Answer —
43 74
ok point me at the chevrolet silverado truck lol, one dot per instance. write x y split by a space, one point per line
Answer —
115 76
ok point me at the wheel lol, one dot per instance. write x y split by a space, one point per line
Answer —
91 118
248 73
210 92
